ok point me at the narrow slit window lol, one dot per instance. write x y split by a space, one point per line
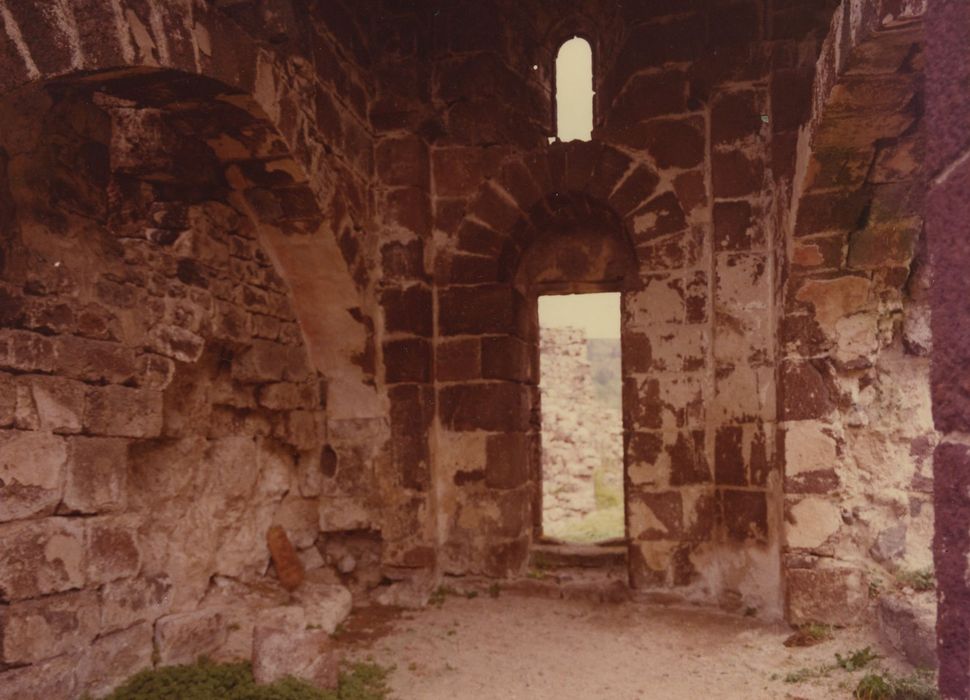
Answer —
582 427
574 91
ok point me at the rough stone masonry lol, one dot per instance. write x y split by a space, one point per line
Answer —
276 262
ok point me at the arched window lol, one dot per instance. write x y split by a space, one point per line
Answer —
574 91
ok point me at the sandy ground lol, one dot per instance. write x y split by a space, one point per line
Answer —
537 649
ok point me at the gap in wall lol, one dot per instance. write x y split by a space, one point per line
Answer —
574 91
582 425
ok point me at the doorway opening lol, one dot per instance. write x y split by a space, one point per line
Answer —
582 426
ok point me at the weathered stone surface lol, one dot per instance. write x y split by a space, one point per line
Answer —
183 637
117 411
112 548
97 475
32 467
909 624
113 658
828 595
40 629
811 522
59 404
315 606
38 557
53 680
127 602
305 654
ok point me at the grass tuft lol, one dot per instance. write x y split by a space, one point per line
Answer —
885 686
210 681
919 579
855 660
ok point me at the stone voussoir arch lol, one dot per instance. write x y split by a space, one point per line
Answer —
190 57
565 185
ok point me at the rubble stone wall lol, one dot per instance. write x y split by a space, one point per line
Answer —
857 433
187 355
580 433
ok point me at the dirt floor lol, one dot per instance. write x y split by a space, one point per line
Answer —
539 649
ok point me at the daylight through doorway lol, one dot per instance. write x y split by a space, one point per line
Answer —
582 426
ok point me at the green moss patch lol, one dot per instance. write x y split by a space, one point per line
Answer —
209 681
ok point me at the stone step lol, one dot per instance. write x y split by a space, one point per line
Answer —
548 556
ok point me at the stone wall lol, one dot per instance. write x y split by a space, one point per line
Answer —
857 432
580 433
186 356
305 240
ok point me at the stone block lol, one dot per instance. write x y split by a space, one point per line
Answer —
117 411
112 549
805 391
305 654
97 475
506 357
183 637
811 453
655 515
407 209
458 360
51 680
484 309
34 630
507 460
115 657
745 515
730 465
408 310
735 227
38 557
176 343
744 394
23 351
496 208
659 217
831 595
736 174
811 521
32 467
651 563
496 407
687 452
96 360
305 430
315 605
287 396
263 361
459 171
671 143
736 116
661 299
650 95
403 262
830 211
909 624
58 402
129 601
408 360
402 162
